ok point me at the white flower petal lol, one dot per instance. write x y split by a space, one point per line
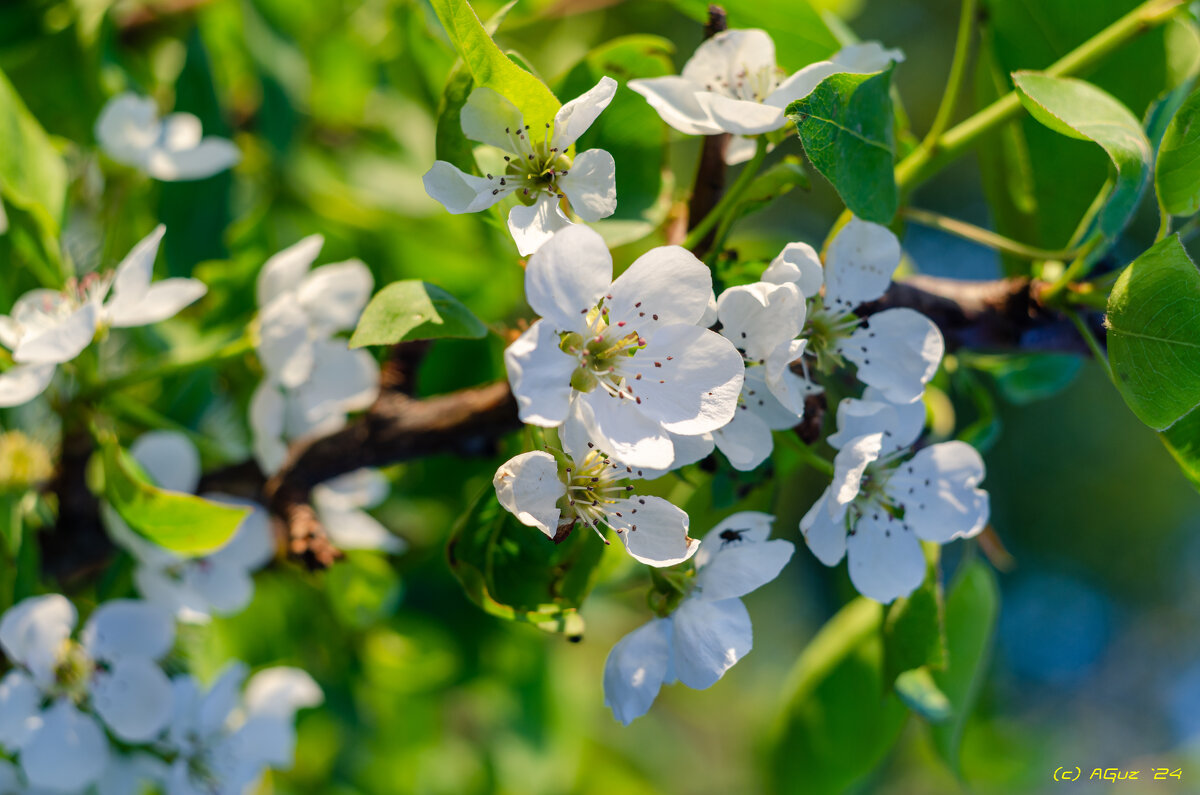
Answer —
67 752
10 783
253 545
217 588
740 149
797 263
758 395
567 277
334 295
900 424
739 557
621 430
362 488
885 558
279 692
789 388
740 116
746 440
635 669
128 126
128 628
897 352
460 192
591 185
134 698
32 633
675 100
162 300
708 639
181 131
859 264
824 534
575 117
137 773
701 374
213 708
267 407
283 272
211 156
24 382
664 286
728 56
61 341
800 84
170 458
866 57
285 347
759 317
937 488
540 375
20 700
653 530
485 117
528 487
131 280
532 227
359 530
849 465
342 380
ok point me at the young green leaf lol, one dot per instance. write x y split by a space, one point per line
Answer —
414 310
1177 171
839 718
1154 334
1078 109
846 125
182 523
971 610
491 67
921 694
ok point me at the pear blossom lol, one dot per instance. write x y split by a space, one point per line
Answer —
47 328
195 588
340 505
584 485
312 378
222 740
130 131
731 84
896 351
61 693
885 499
710 629
540 173
630 350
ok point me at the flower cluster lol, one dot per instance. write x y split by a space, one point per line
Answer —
101 710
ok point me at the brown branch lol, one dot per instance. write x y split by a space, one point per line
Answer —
710 173
77 546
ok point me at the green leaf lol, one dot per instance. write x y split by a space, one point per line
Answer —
414 310
798 30
517 573
33 176
182 523
917 689
1078 109
971 611
914 632
1177 171
1154 334
839 718
1026 378
781 178
1183 441
491 67
846 125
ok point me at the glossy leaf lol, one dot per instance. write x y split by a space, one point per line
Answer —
839 718
182 523
1154 334
971 611
1078 109
491 67
1177 172
414 310
846 125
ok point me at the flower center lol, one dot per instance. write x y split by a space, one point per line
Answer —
72 671
594 486
825 329
606 353
533 168
752 85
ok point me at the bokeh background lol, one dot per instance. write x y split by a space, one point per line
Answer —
334 104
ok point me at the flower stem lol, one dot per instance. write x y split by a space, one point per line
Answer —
729 201
984 237
171 366
958 72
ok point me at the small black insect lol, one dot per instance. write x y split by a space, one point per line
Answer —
729 536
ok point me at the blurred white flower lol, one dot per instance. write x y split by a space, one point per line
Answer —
47 328
710 629
732 85
340 504
50 700
223 741
194 588
884 500
130 131
539 173
630 349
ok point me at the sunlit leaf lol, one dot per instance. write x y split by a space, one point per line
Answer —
1177 171
414 310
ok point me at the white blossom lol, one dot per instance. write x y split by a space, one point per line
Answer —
130 131
630 350
538 169
884 499
731 84
192 588
47 328
53 702
223 740
340 505
896 351
312 378
710 629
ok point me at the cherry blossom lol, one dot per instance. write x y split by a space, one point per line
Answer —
340 504
539 173
710 629
130 131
